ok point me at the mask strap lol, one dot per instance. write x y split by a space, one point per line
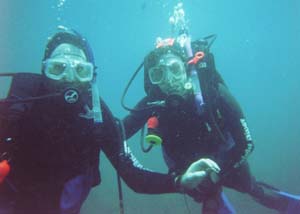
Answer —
96 103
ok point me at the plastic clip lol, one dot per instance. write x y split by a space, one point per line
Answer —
198 56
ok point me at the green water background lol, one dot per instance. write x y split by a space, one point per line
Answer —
257 53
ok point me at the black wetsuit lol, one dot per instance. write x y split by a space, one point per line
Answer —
53 145
221 134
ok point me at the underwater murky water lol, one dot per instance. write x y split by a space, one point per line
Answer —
257 52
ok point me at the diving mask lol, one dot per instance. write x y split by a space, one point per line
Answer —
170 75
169 68
69 69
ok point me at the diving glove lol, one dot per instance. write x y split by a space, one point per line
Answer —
196 173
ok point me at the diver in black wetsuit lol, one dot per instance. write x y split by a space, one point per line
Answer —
191 125
52 128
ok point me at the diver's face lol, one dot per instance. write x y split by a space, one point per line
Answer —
170 75
68 64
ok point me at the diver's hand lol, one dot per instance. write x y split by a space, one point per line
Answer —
196 172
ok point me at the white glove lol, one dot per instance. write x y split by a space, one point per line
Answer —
196 172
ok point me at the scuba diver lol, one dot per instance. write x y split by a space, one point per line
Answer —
52 128
191 113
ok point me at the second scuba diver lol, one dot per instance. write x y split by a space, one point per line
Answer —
207 122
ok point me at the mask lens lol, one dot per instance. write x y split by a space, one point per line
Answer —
170 75
84 71
156 74
55 69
